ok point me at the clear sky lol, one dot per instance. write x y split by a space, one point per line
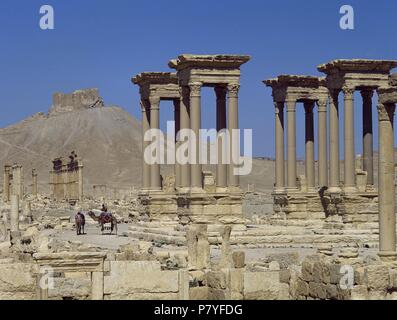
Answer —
102 43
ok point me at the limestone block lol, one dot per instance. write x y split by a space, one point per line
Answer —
377 277
17 295
302 288
377 295
140 276
335 274
359 293
393 279
283 293
274 266
17 278
238 259
217 294
321 272
361 180
199 293
184 284
142 281
169 184
261 285
285 276
317 290
359 276
307 271
331 291
216 280
142 296
236 284
71 288
391 296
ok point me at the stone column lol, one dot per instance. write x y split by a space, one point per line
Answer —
177 119
233 89
34 183
198 247
97 285
322 143
280 162
368 163
334 170
350 183
221 169
185 124
195 125
155 178
145 127
17 180
387 215
80 180
6 184
309 144
14 217
291 144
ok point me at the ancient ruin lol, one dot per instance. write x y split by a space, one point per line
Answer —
13 182
193 199
193 231
66 178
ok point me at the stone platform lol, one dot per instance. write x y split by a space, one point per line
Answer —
262 236
200 206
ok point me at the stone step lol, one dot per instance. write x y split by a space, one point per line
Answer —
308 241
152 237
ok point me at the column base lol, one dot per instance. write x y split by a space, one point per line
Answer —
388 256
334 190
197 190
292 190
221 189
183 190
234 189
350 189
278 191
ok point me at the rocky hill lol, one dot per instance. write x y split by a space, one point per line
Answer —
107 138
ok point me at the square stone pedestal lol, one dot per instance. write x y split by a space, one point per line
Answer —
213 208
158 206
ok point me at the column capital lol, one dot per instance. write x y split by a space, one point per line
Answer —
348 91
367 94
291 104
233 89
154 102
386 112
195 89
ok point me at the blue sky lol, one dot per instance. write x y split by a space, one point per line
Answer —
102 43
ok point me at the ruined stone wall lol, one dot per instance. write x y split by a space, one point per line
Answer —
16 281
123 280
78 100
324 278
